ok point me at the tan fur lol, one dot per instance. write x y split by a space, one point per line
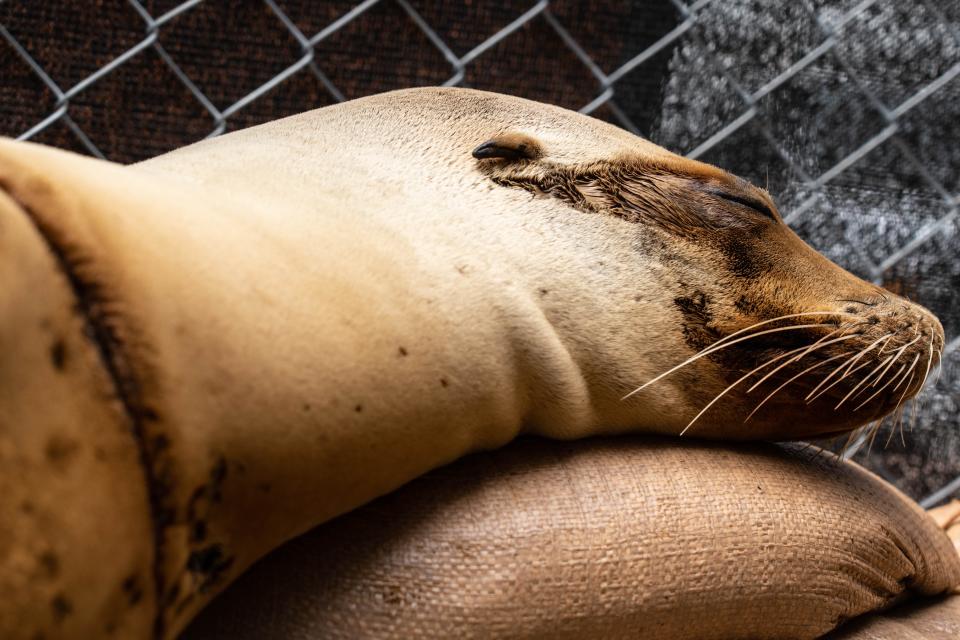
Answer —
305 315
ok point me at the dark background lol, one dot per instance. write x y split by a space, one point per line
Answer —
847 111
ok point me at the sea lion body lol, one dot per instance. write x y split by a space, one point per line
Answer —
302 316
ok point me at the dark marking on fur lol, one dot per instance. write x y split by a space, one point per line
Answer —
198 531
133 589
402 351
697 332
746 306
742 256
61 608
208 566
108 332
60 450
58 354
49 564
171 595
193 504
217 475
358 408
444 383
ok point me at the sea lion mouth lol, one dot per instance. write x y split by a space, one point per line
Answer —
843 369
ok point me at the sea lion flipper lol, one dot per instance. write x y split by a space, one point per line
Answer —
509 146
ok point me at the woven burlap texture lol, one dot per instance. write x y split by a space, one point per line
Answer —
621 538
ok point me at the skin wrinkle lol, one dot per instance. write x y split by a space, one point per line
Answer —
101 320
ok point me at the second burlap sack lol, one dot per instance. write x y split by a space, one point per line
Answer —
620 538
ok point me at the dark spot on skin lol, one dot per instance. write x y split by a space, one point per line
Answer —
208 565
172 594
59 450
462 269
306 407
160 443
217 475
134 590
198 531
50 564
194 502
544 292
164 517
403 352
638 298
219 471
26 506
58 354
61 608
444 383
696 320
746 306
100 454
358 408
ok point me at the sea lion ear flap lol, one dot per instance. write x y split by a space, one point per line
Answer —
509 146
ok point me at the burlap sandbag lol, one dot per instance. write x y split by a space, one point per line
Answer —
627 538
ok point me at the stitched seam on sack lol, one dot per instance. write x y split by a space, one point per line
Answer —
109 348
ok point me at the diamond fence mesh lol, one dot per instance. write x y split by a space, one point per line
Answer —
848 112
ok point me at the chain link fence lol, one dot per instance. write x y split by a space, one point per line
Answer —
847 111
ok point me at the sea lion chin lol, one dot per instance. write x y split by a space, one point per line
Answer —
775 331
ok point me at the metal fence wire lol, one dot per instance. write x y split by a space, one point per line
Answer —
847 111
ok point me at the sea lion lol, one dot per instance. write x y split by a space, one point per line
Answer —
299 317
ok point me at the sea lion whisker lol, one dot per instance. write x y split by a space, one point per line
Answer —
881 389
926 376
714 348
853 360
904 394
778 389
914 364
926 372
739 380
857 438
864 380
898 353
874 432
939 366
878 378
814 347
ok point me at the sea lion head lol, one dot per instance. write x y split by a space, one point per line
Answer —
770 337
